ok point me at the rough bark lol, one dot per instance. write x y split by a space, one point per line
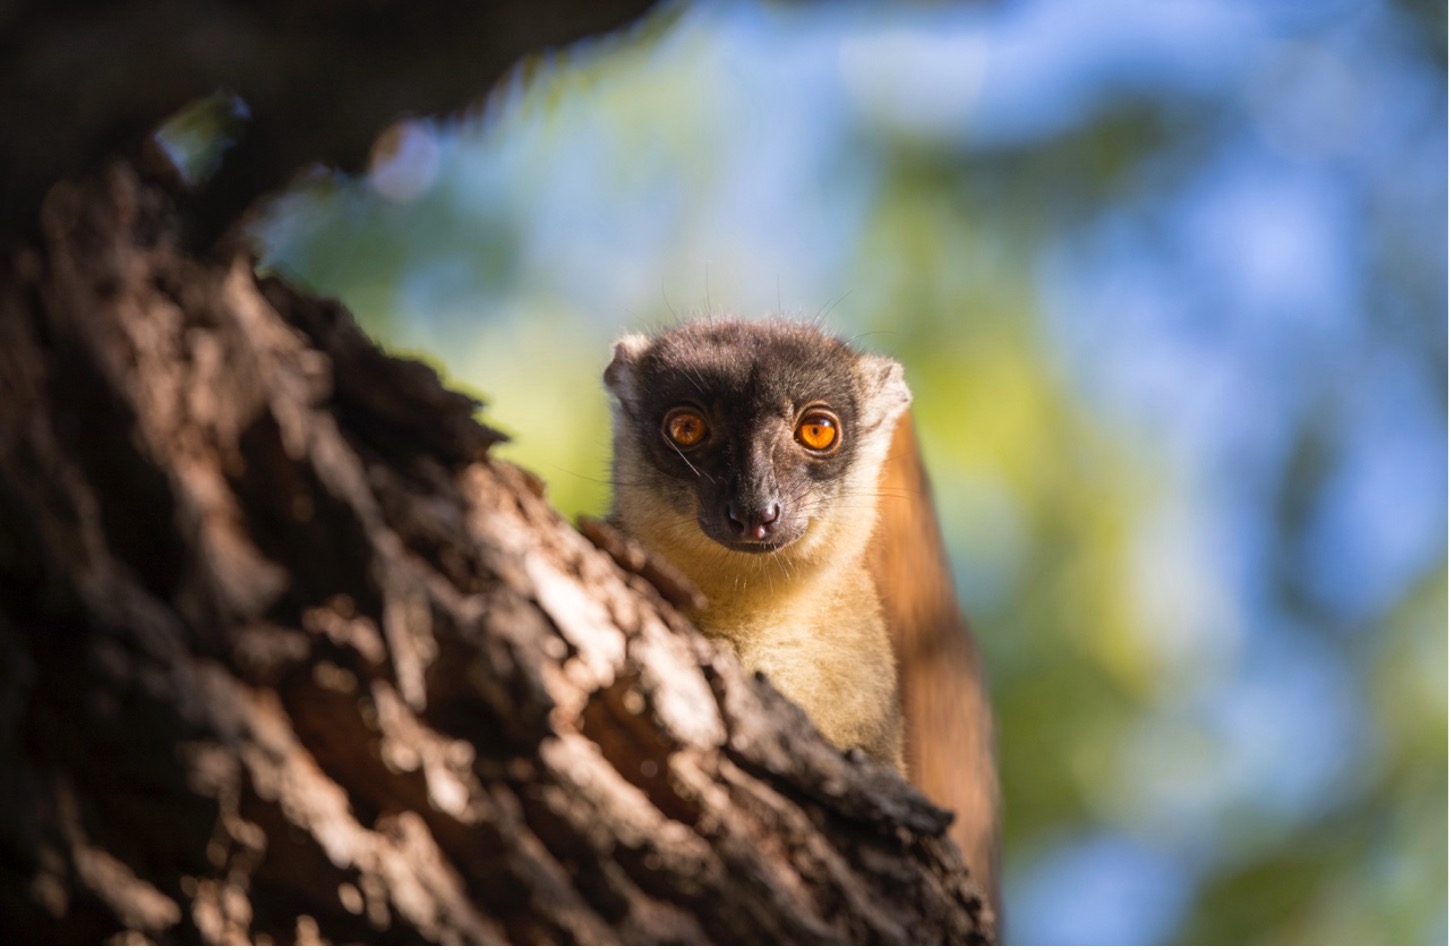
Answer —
286 655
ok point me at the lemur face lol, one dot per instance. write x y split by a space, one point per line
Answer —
753 430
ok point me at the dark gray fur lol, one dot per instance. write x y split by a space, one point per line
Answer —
751 382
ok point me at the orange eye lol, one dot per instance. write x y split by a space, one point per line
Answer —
818 430
686 428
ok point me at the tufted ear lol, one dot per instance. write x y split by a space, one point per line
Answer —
884 388
620 376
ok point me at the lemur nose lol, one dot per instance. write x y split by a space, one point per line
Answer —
754 523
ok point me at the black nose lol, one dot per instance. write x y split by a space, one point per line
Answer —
753 524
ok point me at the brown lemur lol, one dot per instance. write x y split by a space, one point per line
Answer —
777 468
747 455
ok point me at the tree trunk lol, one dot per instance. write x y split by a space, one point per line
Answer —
286 656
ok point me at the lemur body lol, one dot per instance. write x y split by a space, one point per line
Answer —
719 422
748 455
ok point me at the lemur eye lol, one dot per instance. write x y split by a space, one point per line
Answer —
818 430
686 428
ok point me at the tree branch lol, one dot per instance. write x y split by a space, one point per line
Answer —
286 655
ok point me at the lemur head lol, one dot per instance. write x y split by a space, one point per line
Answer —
752 439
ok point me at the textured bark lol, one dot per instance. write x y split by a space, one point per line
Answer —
285 655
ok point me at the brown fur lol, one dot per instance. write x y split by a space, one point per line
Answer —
950 746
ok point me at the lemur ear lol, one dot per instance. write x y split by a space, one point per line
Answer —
620 376
887 395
